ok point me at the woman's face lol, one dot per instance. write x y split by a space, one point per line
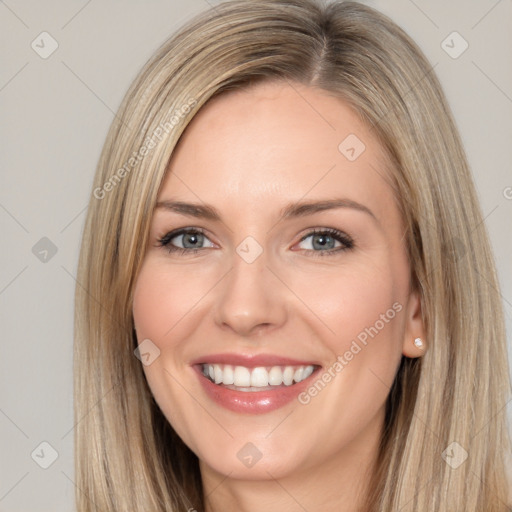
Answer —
263 289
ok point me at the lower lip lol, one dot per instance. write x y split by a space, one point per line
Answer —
252 402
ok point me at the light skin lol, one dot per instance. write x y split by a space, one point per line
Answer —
249 154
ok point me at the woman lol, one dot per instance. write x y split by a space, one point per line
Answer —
287 296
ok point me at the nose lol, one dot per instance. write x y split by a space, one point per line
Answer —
252 300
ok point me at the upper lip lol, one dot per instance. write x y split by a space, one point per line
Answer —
251 361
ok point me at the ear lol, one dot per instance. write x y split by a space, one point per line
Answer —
414 327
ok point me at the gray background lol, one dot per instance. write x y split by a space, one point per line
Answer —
55 114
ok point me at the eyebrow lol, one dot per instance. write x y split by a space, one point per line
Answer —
292 210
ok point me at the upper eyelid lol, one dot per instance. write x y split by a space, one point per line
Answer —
182 231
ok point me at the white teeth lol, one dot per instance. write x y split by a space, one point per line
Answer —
275 376
228 375
308 370
288 376
259 377
242 376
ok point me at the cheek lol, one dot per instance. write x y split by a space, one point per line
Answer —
363 307
164 297
362 313
163 303
362 304
362 316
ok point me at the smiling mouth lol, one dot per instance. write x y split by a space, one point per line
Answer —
260 378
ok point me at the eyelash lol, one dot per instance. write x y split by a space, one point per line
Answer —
334 233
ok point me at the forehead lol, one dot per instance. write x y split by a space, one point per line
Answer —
277 142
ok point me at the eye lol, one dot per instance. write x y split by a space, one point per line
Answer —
190 240
325 240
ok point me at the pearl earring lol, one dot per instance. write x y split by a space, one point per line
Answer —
418 342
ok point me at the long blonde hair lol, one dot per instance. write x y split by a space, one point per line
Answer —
127 456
